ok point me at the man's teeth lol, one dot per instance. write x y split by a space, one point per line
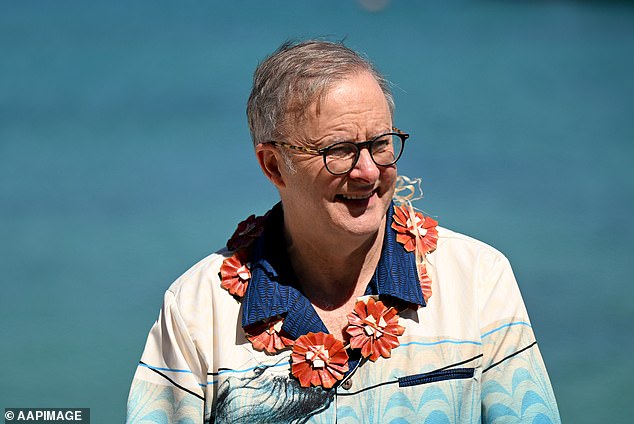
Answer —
356 196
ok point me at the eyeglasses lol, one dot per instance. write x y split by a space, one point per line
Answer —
340 158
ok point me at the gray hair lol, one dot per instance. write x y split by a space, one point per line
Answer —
296 75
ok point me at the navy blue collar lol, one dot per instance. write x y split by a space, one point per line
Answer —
274 291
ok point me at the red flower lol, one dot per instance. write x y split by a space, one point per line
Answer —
318 359
374 328
247 231
410 229
425 281
235 274
268 336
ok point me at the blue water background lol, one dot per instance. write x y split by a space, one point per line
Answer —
125 157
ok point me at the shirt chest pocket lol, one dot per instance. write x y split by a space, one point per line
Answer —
434 376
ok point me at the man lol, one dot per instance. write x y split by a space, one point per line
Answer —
342 304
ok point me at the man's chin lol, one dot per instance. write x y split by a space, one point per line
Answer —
365 225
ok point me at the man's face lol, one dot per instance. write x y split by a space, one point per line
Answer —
354 204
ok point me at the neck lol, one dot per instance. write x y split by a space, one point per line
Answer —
332 274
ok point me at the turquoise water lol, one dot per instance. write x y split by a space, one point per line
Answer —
125 157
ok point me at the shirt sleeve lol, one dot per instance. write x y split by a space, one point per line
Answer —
170 380
515 384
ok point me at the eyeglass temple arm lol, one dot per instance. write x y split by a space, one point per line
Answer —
400 132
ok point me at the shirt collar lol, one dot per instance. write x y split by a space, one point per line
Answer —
273 289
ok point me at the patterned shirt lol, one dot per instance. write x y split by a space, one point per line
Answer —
467 355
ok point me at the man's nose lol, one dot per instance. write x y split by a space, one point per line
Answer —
365 168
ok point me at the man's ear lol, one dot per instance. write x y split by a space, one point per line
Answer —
271 163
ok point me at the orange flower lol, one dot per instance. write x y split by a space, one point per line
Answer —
410 228
247 231
235 274
425 281
318 359
374 328
268 336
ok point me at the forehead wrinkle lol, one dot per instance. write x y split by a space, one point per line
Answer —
342 113
348 130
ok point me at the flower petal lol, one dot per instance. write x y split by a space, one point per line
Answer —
425 281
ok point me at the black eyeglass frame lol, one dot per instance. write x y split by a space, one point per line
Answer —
323 152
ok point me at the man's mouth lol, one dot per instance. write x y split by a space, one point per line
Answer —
355 196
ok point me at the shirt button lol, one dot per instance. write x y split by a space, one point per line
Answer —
347 385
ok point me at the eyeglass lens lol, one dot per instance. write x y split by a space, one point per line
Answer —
384 150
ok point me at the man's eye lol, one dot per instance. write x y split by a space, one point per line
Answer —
382 144
342 151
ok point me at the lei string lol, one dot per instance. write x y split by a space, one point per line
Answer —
415 231
407 190
319 359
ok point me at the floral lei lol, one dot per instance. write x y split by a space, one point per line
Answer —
319 359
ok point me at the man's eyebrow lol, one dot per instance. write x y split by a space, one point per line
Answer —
375 135
378 134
